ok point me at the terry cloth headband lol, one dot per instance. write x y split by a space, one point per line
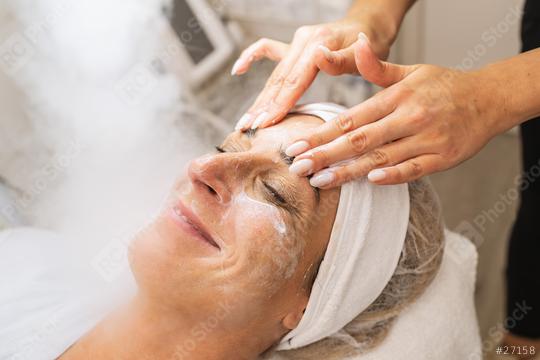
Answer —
362 254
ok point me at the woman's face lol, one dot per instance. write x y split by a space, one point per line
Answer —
238 229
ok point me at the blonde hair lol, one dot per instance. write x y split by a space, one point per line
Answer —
419 262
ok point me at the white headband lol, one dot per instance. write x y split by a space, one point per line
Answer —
362 253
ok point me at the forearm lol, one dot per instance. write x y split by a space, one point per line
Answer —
513 89
383 16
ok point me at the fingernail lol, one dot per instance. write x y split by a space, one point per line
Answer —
362 38
260 119
297 148
242 122
235 67
327 53
376 175
301 167
322 178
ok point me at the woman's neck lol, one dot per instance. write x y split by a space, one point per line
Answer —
142 331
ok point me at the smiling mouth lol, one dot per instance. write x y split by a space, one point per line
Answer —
189 222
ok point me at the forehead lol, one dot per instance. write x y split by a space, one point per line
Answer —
281 135
287 131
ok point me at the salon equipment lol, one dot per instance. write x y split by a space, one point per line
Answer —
202 40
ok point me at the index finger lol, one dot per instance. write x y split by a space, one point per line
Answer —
294 86
273 84
288 82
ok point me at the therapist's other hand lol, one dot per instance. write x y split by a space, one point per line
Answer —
427 119
326 47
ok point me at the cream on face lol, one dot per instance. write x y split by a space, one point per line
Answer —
244 200
248 224
282 248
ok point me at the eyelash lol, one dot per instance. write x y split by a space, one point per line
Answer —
278 198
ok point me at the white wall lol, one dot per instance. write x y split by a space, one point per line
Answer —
461 33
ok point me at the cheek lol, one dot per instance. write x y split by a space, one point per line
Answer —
264 241
161 266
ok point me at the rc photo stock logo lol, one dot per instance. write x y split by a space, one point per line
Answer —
19 48
457 249
15 53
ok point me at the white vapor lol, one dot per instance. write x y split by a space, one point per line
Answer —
114 129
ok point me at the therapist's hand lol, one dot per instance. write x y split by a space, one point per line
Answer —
299 63
427 119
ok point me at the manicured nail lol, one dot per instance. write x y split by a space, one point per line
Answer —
235 67
322 178
327 53
260 119
376 175
362 38
242 122
297 148
301 167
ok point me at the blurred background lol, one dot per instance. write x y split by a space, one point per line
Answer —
103 103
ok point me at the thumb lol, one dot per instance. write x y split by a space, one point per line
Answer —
336 62
372 69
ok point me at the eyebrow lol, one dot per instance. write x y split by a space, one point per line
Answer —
250 133
288 160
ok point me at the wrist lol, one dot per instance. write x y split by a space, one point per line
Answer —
382 19
379 29
497 100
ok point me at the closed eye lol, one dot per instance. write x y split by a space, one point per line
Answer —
279 199
273 194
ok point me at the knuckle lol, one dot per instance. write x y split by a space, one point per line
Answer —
415 169
379 158
311 52
381 103
403 90
291 82
418 116
421 113
445 127
397 175
357 141
345 123
321 158
263 43
343 175
276 80
322 31
453 152
440 138
302 31
315 139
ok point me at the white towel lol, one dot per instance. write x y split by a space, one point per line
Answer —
362 253
441 324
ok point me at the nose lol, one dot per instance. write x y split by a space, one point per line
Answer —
211 174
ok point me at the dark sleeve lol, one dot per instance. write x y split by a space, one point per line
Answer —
530 27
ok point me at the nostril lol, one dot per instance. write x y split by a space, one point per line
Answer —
211 190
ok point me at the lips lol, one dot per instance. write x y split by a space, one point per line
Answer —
191 223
